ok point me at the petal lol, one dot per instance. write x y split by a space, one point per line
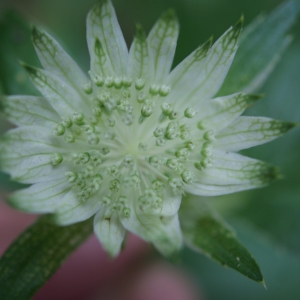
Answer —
180 78
109 230
216 190
246 132
72 209
214 69
220 112
169 205
42 197
163 232
162 41
139 64
61 96
232 168
102 24
100 62
55 60
229 173
29 110
27 152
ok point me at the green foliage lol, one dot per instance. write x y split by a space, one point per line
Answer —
205 232
36 254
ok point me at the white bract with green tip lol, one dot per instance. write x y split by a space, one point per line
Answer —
127 142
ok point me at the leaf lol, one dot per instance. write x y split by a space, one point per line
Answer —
260 48
36 254
275 213
205 232
16 45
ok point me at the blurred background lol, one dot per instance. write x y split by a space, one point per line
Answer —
267 220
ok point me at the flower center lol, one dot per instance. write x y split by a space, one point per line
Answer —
129 144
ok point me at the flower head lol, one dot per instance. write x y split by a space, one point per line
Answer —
128 142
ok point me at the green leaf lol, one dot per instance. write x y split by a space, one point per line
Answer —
16 45
37 253
205 232
260 47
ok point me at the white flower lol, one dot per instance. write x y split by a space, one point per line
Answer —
127 144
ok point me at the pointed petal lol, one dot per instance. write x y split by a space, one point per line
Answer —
109 230
41 197
163 232
61 96
29 110
162 42
180 78
102 24
216 190
100 62
26 154
247 132
139 65
232 169
217 63
220 112
55 60
166 206
72 210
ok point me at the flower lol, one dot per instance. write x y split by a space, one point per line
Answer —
127 144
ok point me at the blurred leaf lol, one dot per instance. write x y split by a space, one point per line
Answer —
16 45
275 212
36 254
204 231
260 47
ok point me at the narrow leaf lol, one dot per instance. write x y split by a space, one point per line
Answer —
36 255
261 45
204 231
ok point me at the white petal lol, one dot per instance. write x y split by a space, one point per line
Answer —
102 24
109 230
216 190
206 83
29 110
169 206
139 64
163 232
26 153
162 42
247 132
183 77
100 62
55 60
41 197
232 168
218 113
61 96
73 210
